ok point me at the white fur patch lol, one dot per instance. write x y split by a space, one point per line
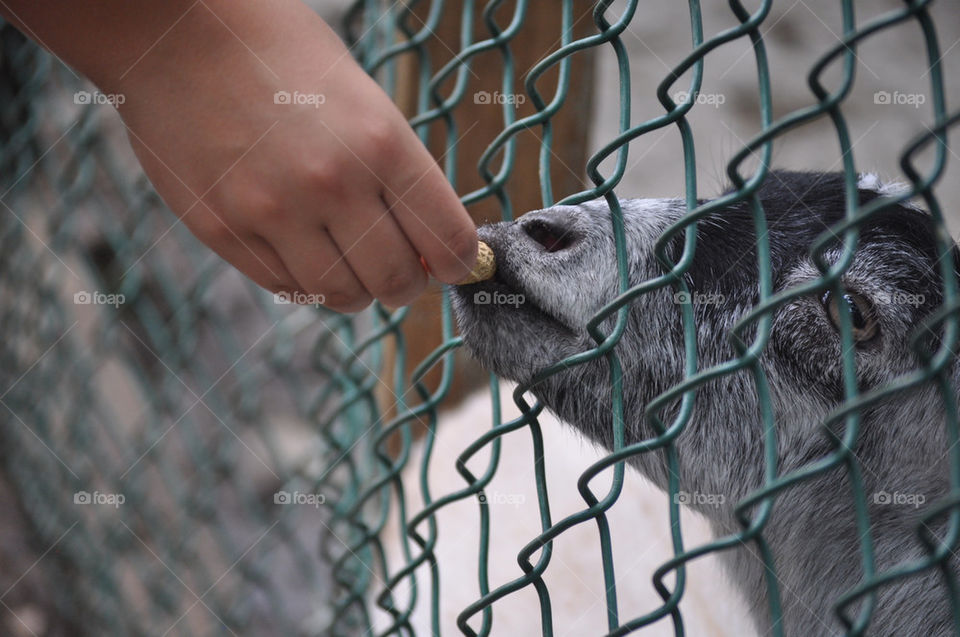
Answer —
872 181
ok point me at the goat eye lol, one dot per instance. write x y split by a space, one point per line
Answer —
861 314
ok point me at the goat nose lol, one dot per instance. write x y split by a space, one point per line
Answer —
553 236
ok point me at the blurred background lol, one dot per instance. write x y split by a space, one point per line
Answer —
136 365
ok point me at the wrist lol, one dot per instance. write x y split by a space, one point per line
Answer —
187 47
238 43
120 45
100 39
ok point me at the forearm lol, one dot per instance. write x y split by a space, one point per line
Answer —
114 41
333 196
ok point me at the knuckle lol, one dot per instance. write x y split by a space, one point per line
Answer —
263 210
380 137
261 215
326 177
211 229
248 202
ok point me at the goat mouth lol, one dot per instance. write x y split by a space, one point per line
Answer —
505 293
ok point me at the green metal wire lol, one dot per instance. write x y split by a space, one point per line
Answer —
755 510
200 546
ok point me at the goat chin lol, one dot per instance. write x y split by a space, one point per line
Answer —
639 526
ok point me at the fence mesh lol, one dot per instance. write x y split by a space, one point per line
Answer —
192 396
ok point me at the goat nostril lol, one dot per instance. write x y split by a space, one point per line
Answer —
551 237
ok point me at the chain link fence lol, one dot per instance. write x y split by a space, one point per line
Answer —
181 454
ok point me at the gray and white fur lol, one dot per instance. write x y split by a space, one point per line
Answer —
562 260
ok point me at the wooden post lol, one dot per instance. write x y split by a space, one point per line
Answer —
478 123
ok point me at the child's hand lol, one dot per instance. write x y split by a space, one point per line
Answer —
333 195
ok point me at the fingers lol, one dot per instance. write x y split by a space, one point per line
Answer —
249 253
429 212
366 255
317 264
349 230
380 254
